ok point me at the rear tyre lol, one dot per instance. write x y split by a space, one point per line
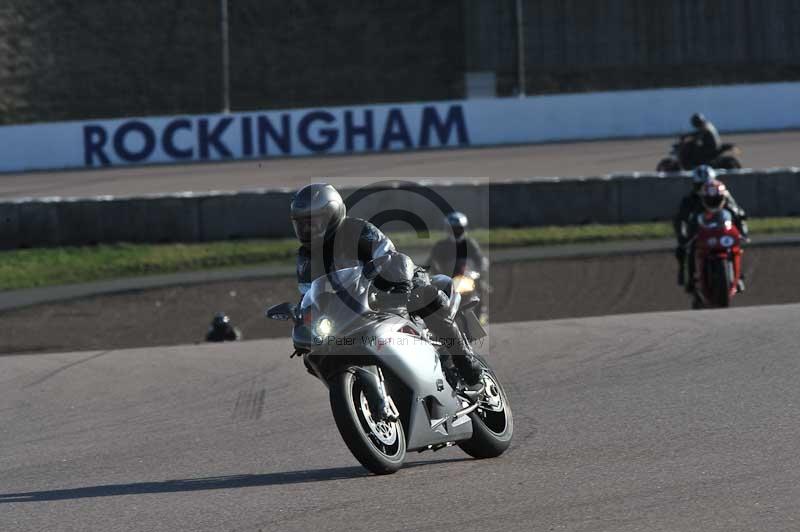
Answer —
668 164
728 162
492 427
379 446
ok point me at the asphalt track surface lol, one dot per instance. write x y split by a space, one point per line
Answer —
760 150
673 421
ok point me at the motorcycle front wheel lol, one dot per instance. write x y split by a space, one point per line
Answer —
380 446
492 422
720 284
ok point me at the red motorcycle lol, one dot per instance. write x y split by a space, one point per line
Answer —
718 260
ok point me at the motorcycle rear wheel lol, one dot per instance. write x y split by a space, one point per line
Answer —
491 430
728 162
379 446
668 164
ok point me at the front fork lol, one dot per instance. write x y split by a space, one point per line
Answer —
380 402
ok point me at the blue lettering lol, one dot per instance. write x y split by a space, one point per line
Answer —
94 139
351 130
395 130
134 127
247 136
283 139
432 121
207 138
168 139
329 135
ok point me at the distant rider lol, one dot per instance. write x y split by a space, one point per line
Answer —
712 196
690 206
703 144
222 330
450 254
330 239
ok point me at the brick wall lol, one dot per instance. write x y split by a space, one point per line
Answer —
580 45
73 59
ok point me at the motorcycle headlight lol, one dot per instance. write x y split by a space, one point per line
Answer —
463 284
324 327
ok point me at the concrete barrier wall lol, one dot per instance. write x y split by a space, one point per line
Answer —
381 128
265 214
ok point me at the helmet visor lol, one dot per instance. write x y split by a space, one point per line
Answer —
308 228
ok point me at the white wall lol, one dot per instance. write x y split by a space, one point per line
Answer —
395 127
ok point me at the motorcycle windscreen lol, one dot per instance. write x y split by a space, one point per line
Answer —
335 303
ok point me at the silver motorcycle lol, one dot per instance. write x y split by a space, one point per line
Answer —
390 392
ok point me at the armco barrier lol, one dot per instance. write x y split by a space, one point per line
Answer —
265 213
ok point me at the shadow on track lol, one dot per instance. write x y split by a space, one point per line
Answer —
208 483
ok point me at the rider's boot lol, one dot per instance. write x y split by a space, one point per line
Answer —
458 349
433 306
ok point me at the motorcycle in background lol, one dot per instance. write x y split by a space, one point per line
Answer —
389 390
718 260
468 282
726 157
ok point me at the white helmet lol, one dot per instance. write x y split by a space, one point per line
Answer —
457 222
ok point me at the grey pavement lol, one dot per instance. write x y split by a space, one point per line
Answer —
671 422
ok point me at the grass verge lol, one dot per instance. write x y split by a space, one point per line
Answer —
30 268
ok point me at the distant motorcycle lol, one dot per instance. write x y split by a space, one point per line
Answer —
718 260
467 282
389 391
726 157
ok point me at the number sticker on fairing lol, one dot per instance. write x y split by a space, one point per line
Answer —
726 241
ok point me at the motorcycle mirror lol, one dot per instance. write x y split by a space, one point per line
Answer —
281 312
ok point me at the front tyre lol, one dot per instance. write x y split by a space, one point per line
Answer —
720 283
379 446
492 422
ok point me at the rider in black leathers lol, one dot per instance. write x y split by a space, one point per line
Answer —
449 254
683 222
703 144
330 240
222 330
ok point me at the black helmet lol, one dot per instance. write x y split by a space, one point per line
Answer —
316 210
698 120
458 223
220 321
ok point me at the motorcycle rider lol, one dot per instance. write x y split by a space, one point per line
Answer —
450 253
714 197
691 205
703 144
222 330
330 239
